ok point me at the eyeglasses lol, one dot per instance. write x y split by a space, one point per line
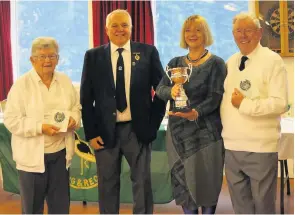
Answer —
43 57
247 32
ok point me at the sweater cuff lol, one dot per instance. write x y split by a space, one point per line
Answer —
167 93
245 106
198 109
76 117
39 128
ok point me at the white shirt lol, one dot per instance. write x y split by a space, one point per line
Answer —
255 126
53 99
126 54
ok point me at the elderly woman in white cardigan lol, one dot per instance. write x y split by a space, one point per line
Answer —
42 112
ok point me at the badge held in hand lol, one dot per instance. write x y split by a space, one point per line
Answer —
60 119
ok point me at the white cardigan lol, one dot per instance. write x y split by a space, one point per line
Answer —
24 115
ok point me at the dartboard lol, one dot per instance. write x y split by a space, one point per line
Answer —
275 22
291 22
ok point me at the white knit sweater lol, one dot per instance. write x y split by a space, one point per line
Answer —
255 126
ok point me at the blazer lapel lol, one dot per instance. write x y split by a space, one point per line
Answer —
134 62
109 68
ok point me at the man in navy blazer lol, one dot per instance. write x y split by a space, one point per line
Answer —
120 117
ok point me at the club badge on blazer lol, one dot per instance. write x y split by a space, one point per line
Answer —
136 57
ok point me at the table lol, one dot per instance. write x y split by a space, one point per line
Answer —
286 144
286 151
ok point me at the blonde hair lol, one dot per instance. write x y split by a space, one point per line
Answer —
204 27
44 42
118 11
244 15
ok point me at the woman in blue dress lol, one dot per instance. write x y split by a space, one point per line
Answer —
194 144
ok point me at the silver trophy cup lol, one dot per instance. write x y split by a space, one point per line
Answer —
180 75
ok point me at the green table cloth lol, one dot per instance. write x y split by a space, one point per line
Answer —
83 179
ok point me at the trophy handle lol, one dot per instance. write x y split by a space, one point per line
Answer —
190 68
167 73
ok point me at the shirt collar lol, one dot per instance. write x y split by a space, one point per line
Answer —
252 54
115 47
37 78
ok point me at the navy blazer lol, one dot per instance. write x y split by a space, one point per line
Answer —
97 94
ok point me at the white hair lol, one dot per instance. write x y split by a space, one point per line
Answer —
245 15
44 42
118 11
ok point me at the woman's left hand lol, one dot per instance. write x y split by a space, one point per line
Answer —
72 124
191 115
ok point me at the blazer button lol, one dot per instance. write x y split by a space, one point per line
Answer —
114 114
114 97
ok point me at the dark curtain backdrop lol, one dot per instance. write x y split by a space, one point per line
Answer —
6 73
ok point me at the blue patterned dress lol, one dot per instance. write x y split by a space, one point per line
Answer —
195 148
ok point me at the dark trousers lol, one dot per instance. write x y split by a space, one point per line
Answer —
205 210
108 162
52 185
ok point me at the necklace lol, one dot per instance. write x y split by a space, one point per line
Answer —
194 61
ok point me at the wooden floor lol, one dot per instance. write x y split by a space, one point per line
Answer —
10 204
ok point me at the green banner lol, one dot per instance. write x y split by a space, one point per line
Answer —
83 178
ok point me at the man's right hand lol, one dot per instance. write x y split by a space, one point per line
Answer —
49 130
94 143
175 91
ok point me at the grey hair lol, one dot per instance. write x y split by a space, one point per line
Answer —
245 15
108 19
44 42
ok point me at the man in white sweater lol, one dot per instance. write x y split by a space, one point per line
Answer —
255 96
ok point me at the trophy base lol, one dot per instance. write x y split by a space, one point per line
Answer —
181 104
182 109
